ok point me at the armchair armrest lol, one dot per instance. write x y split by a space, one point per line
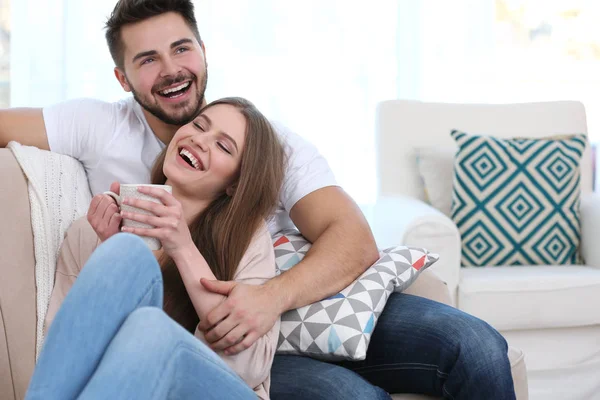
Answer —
403 220
590 229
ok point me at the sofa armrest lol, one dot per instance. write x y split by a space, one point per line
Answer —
403 220
17 272
590 229
6 385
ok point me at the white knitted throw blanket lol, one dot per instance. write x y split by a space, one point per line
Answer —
58 194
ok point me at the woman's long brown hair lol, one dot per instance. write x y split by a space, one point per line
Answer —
224 230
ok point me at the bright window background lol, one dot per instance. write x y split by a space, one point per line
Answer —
557 43
502 51
318 66
321 66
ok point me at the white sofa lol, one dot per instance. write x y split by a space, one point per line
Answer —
549 312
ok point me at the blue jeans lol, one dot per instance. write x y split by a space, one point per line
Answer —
418 346
111 339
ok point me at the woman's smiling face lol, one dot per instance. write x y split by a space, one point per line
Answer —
204 157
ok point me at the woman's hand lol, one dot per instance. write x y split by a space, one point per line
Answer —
103 214
168 221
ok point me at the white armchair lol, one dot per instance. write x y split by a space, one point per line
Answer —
420 225
550 312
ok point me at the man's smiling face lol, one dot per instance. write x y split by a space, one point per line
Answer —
164 67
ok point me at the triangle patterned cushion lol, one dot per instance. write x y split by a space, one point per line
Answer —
340 327
516 201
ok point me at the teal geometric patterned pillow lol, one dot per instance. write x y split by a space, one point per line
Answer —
516 201
340 327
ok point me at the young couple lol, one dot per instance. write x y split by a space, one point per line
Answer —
110 336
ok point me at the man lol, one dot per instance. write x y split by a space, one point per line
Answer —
418 345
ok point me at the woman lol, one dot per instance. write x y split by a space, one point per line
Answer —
110 337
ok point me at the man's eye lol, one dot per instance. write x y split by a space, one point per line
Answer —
181 50
147 61
225 149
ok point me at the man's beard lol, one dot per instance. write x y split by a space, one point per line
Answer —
161 114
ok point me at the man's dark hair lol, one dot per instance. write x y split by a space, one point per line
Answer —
131 11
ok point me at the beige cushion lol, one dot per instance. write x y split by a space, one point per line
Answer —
436 168
430 286
531 297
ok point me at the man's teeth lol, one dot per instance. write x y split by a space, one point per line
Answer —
176 89
190 157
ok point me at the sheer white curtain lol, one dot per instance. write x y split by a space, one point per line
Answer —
319 66
58 52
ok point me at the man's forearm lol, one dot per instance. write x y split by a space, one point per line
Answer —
340 254
24 125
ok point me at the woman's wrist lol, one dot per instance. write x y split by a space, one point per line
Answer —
185 253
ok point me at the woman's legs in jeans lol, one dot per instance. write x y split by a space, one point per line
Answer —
90 332
152 357
418 346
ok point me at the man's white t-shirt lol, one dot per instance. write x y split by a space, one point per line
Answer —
114 143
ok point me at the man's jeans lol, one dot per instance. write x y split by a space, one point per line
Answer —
418 346
112 340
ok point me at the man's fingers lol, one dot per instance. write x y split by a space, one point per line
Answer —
231 339
220 330
245 344
220 287
218 314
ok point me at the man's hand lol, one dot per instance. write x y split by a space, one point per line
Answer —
103 214
248 313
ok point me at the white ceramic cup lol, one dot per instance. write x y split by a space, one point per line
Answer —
131 191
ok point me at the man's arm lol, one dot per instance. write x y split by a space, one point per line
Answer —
343 248
24 125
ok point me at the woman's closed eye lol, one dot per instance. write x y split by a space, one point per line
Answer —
224 148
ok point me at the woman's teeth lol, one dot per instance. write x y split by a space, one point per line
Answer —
189 157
